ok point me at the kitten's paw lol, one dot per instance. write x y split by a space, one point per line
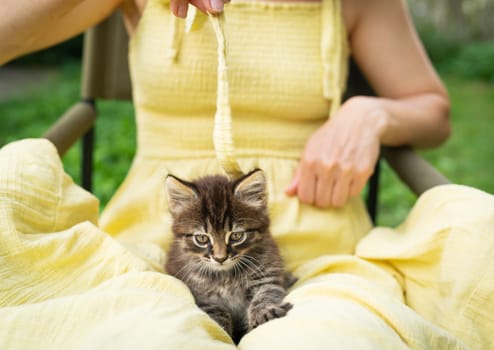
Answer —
289 280
265 313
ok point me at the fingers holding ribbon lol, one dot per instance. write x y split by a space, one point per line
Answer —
180 7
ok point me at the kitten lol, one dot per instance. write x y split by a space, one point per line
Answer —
224 252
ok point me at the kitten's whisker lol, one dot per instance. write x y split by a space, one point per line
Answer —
194 279
255 261
255 271
187 268
235 269
184 272
189 274
243 269
202 272
238 269
206 271
254 265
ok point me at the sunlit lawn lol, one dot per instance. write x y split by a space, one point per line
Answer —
467 158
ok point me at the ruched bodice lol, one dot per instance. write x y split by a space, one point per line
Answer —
275 75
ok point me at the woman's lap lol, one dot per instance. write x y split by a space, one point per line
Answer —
444 251
66 280
137 310
346 302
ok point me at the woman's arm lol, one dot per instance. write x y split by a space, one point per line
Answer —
28 25
413 107
414 103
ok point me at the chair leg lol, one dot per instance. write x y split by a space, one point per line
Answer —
372 200
87 160
87 155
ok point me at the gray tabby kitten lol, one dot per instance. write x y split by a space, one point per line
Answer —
224 252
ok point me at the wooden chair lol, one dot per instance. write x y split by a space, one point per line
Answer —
105 75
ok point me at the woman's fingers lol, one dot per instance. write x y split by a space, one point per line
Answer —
325 179
216 6
307 184
180 7
330 186
360 180
341 190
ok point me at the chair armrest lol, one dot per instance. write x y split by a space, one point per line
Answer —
412 169
77 121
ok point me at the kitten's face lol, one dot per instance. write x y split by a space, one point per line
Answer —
219 223
219 250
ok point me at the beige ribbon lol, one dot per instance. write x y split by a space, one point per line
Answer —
223 131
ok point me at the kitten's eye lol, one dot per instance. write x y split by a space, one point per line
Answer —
237 237
201 240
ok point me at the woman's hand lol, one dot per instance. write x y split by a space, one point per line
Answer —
340 156
179 7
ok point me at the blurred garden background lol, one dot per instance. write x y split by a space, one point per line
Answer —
458 35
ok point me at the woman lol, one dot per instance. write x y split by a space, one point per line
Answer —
412 287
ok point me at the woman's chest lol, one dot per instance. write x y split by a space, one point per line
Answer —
273 57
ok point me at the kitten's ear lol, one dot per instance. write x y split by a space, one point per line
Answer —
180 194
251 189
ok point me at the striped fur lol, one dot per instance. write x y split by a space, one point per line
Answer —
224 252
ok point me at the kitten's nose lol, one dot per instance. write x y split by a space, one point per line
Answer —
221 258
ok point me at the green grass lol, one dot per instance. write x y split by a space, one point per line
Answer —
467 158
31 114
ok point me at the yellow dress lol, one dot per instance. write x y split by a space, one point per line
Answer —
68 281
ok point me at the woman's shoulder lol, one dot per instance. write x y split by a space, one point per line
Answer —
355 11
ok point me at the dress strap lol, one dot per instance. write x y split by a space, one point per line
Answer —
334 51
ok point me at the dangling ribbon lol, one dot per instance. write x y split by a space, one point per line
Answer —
223 131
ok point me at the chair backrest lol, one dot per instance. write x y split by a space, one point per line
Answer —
105 72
